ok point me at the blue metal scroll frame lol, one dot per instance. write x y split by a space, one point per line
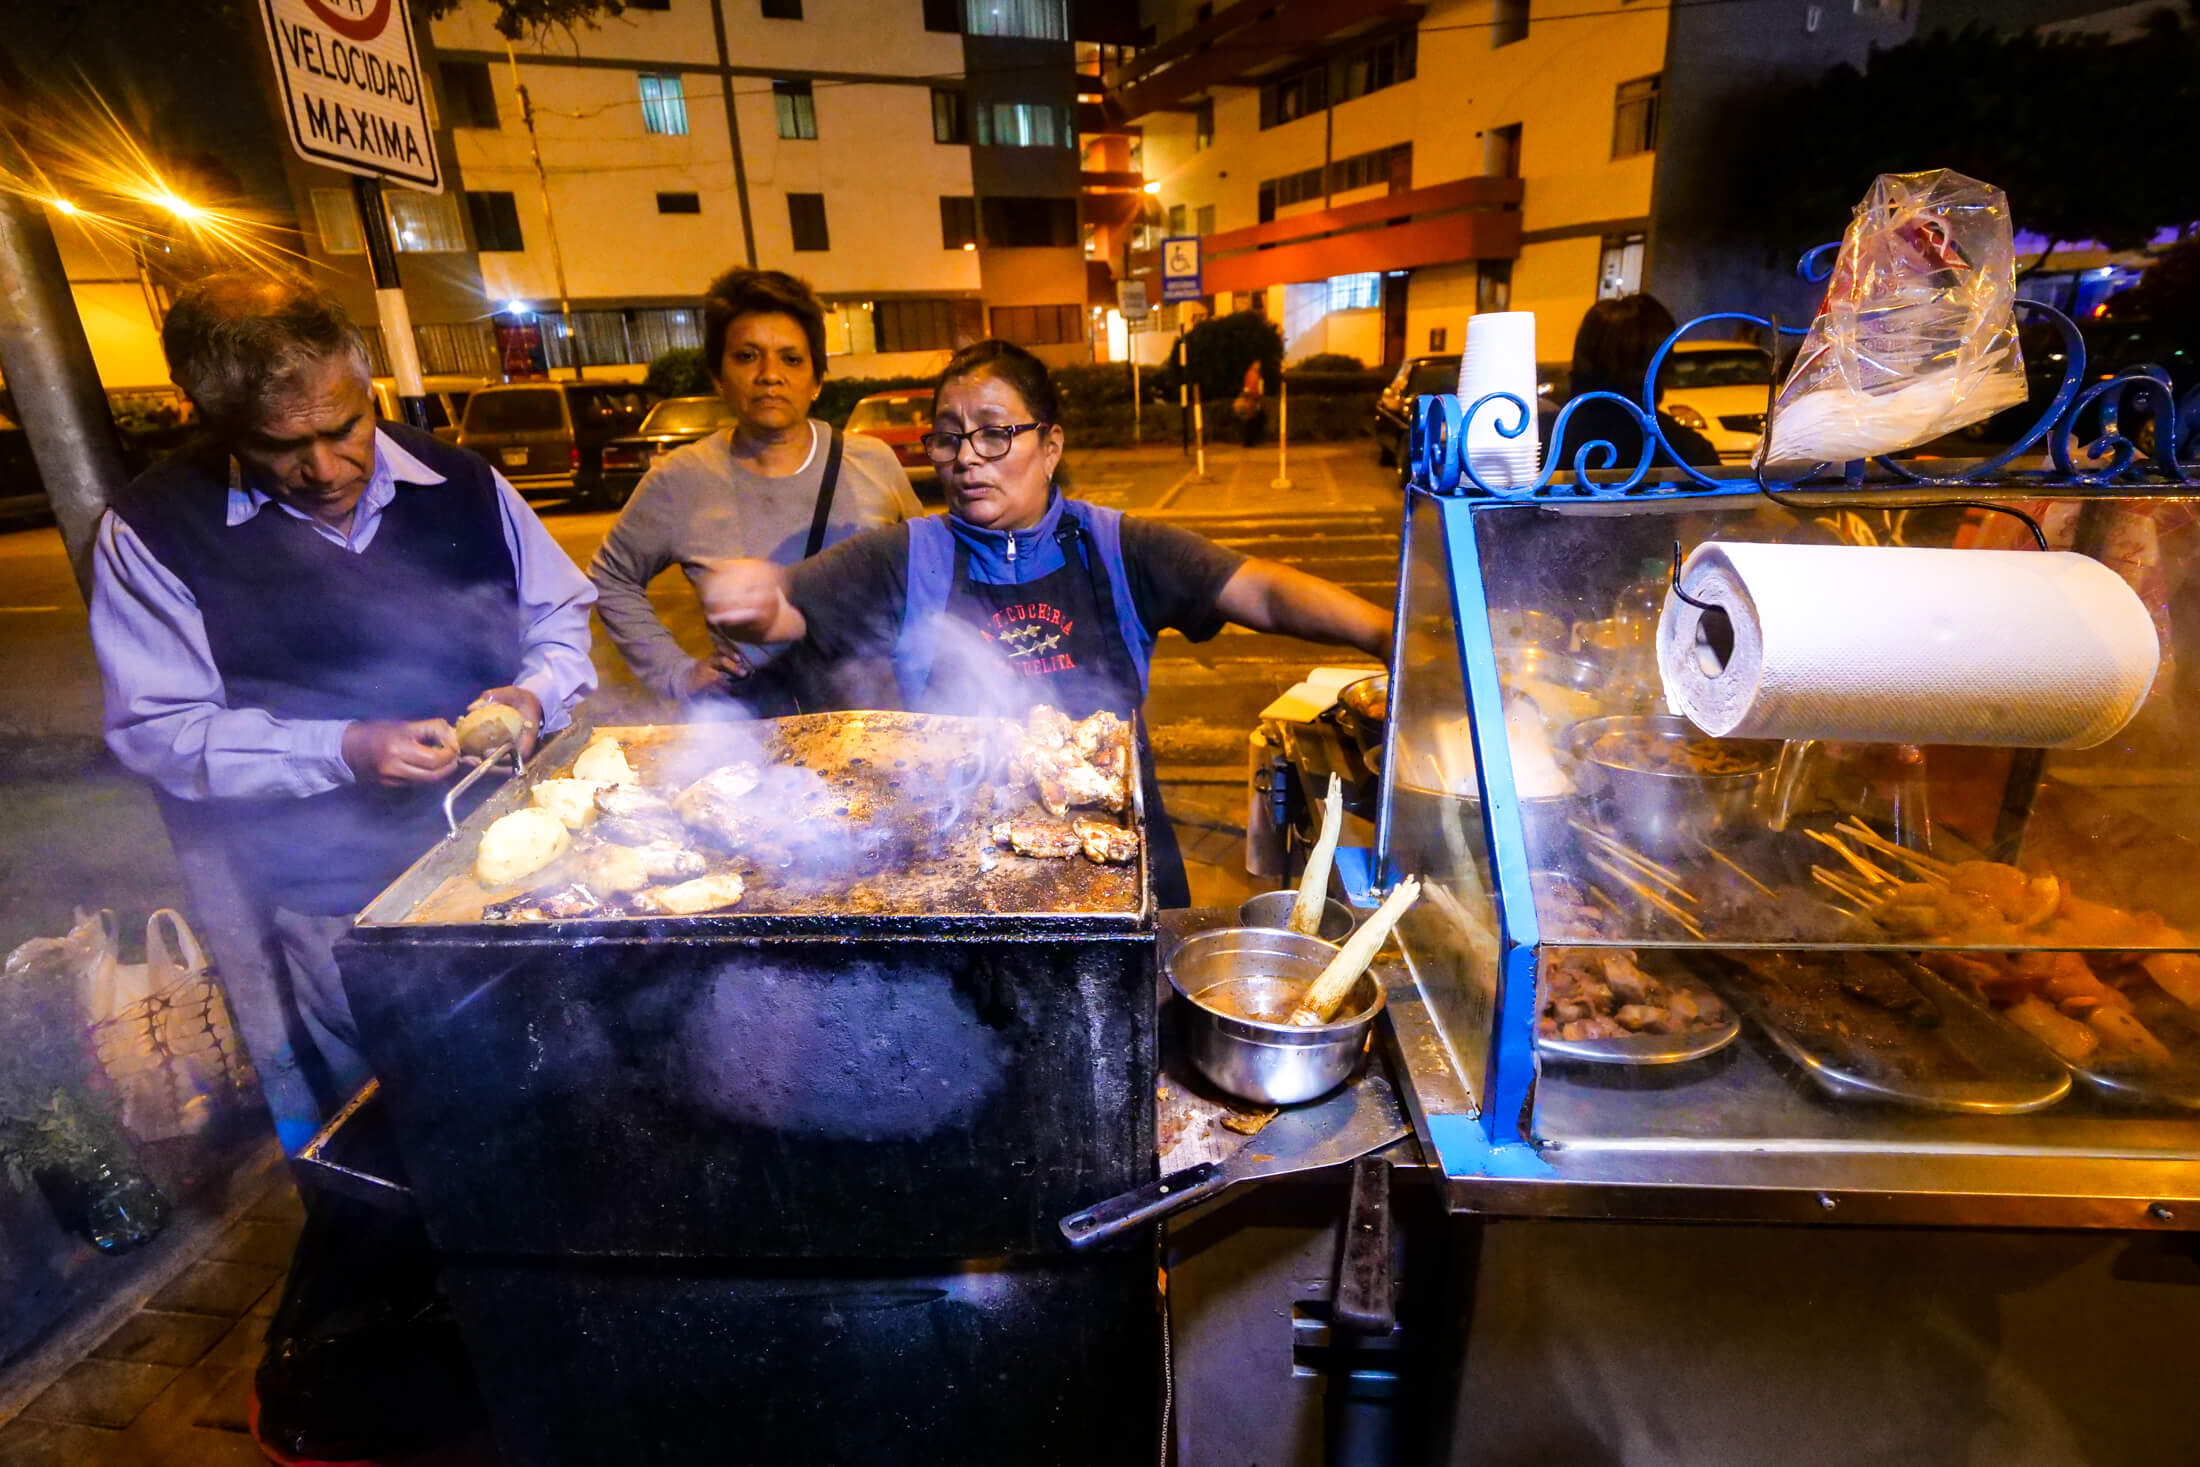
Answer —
1493 1140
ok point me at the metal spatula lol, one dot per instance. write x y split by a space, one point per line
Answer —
1361 1117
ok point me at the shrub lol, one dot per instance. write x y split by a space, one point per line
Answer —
1220 348
1333 384
1329 361
679 373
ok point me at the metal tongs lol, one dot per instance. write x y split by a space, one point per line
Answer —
467 780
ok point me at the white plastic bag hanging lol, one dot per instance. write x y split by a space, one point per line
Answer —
168 1045
1917 335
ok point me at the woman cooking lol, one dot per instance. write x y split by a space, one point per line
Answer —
776 485
1019 595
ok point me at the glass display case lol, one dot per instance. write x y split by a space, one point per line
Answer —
1667 975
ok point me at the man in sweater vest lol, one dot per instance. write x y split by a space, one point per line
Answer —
287 618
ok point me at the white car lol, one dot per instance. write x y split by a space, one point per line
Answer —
1718 388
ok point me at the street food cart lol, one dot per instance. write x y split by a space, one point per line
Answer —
1874 988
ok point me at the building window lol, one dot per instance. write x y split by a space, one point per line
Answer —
1511 24
336 216
630 335
1299 94
1039 325
1381 167
1437 336
424 224
943 15
797 109
469 96
1176 219
648 4
1206 224
1032 20
664 104
1493 286
496 221
806 216
1025 125
958 222
679 203
928 325
1501 151
1356 292
1635 117
782 9
1380 64
1203 126
1619 270
948 124
1028 223
1292 188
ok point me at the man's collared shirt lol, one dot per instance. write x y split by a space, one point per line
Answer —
168 718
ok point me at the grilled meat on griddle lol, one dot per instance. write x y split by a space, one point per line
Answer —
690 898
1043 838
1107 843
634 816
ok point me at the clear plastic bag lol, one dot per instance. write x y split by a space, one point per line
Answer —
1917 335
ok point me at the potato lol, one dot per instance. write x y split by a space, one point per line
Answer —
518 845
573 801
603 762
488 727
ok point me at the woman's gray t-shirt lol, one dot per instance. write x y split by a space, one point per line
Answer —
698 505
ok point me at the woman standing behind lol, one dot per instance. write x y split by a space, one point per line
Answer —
778 485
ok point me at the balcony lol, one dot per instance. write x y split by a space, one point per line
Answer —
1241 42
1466 219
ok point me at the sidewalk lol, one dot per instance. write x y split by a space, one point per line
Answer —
169 1386
1156 480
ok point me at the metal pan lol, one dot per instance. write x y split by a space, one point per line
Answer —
2015 1074
1263 970
1644 1049
2178 1086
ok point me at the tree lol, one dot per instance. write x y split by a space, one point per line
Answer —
680 373
522 20
2091 139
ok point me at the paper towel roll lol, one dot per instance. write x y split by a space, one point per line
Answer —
1892 645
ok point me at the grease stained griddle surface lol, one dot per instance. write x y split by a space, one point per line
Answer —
875 813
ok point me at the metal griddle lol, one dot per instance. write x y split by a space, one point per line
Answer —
896 824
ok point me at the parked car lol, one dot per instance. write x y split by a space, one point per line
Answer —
1417 378
672 423
1718 388
548 437
898 419
447 398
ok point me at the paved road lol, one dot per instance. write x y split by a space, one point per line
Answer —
74 831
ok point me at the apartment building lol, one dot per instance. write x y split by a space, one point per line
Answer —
914 160
1371 174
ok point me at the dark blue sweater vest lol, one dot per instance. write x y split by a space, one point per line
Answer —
414 627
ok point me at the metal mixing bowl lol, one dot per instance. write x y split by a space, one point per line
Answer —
1272 909
1664 812
1261 970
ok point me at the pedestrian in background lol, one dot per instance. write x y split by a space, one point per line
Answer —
777 485
1249 406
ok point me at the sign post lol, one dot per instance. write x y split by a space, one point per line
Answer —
1180 268
1130 300
354 99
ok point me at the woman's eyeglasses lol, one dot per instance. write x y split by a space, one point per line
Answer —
990 442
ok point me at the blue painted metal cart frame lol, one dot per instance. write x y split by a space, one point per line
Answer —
1479 1134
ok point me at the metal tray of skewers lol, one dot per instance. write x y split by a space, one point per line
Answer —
2124 1019
1974 1030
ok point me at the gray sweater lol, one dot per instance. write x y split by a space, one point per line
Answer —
698 505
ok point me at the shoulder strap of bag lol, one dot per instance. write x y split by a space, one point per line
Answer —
824 497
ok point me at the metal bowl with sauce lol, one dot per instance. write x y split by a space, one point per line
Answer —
1240 984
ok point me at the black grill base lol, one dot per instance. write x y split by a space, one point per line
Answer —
1049 1364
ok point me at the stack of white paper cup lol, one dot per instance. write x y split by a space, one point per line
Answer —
1500 357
